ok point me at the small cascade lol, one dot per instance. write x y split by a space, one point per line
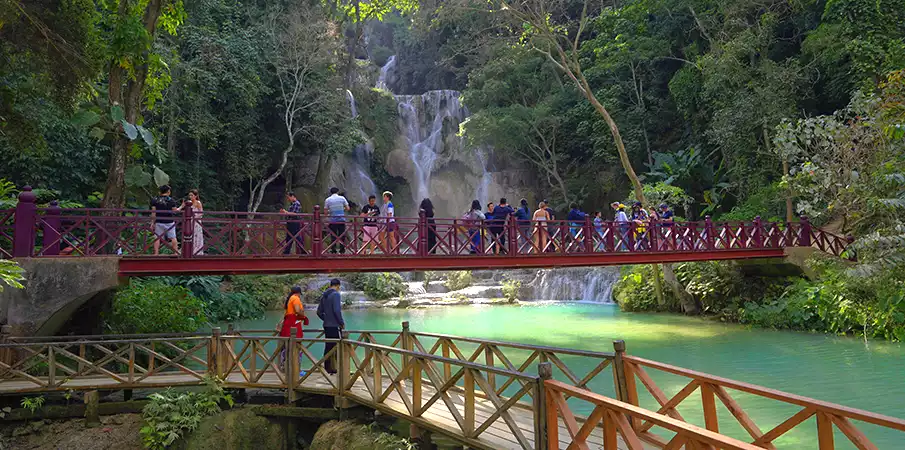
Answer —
482 191
357 173
382 78
422 118
590 285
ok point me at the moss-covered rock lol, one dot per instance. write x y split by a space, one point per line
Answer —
236 429
347 435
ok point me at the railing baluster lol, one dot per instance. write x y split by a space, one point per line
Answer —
468 382
709 404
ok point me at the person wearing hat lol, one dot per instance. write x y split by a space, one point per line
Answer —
330 311
665 219
640 217
622 221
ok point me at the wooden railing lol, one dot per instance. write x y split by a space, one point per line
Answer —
472 389
29 231
612 415
712 387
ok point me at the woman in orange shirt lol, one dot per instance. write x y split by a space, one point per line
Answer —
295 314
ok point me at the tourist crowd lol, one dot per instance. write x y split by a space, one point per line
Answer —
487 230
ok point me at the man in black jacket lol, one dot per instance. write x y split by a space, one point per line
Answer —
330 311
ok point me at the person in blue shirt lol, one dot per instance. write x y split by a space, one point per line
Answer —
523 218
293 226
501 215
576 220
330 311
665 220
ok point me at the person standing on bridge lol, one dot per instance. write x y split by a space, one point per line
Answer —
294 317
337 205
162 223
330 311
389 213
293 225
474 221
197 214
370 213
622 222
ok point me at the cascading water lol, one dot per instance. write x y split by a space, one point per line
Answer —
590 285
357 166
482 192
382 78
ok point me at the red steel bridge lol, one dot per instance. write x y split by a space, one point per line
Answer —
242 243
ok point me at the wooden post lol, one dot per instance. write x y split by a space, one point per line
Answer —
92 418
378 375
188 230
422 234
488 360
653 229
709 238
625 379
513 236
51 228
317 232
710 416
406 342
542 430
758 235
447 370
468 385
416 387
610 241
24 231
292 362
588 234
824 431
804 236
213 352
343 358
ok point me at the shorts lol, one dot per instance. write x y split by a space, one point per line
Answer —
165 230
370 233
392 227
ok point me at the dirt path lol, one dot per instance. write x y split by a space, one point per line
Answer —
118 432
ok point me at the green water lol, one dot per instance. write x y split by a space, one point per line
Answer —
844 370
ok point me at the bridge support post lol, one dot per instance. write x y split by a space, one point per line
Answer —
709 238
213 353
541 438
625 379
406 341
24 231
757 235
804 234
51 228
292 366
188 230
317 233
344 371
92 418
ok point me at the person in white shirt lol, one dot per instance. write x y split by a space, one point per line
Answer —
336 206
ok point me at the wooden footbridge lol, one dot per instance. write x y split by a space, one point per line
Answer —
214 242
484 394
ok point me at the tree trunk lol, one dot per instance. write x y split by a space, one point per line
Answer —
115 188
789 210
658 287
689 305
256 196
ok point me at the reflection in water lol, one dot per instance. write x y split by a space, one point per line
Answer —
838 369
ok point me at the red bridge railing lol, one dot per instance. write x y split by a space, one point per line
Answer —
29 231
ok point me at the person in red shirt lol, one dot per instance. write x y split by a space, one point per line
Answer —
294 317
295 314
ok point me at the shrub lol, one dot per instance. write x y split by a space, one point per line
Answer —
154 307
713 283
268 290
383 286
169 415
511 289
231 306
458 280
634 291
768 202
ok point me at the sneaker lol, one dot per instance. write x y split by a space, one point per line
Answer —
303 373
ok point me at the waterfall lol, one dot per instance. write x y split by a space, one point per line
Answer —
421 118
357 172
382 79
591 285
482 192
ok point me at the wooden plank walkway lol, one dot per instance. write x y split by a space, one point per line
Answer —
436 418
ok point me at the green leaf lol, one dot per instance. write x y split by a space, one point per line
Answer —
129 129
85 118
146 135
160 177
116 113
97 133
136 176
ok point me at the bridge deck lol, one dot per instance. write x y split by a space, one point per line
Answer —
437 417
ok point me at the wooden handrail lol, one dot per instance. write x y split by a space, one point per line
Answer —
612 413
832 408
564 351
